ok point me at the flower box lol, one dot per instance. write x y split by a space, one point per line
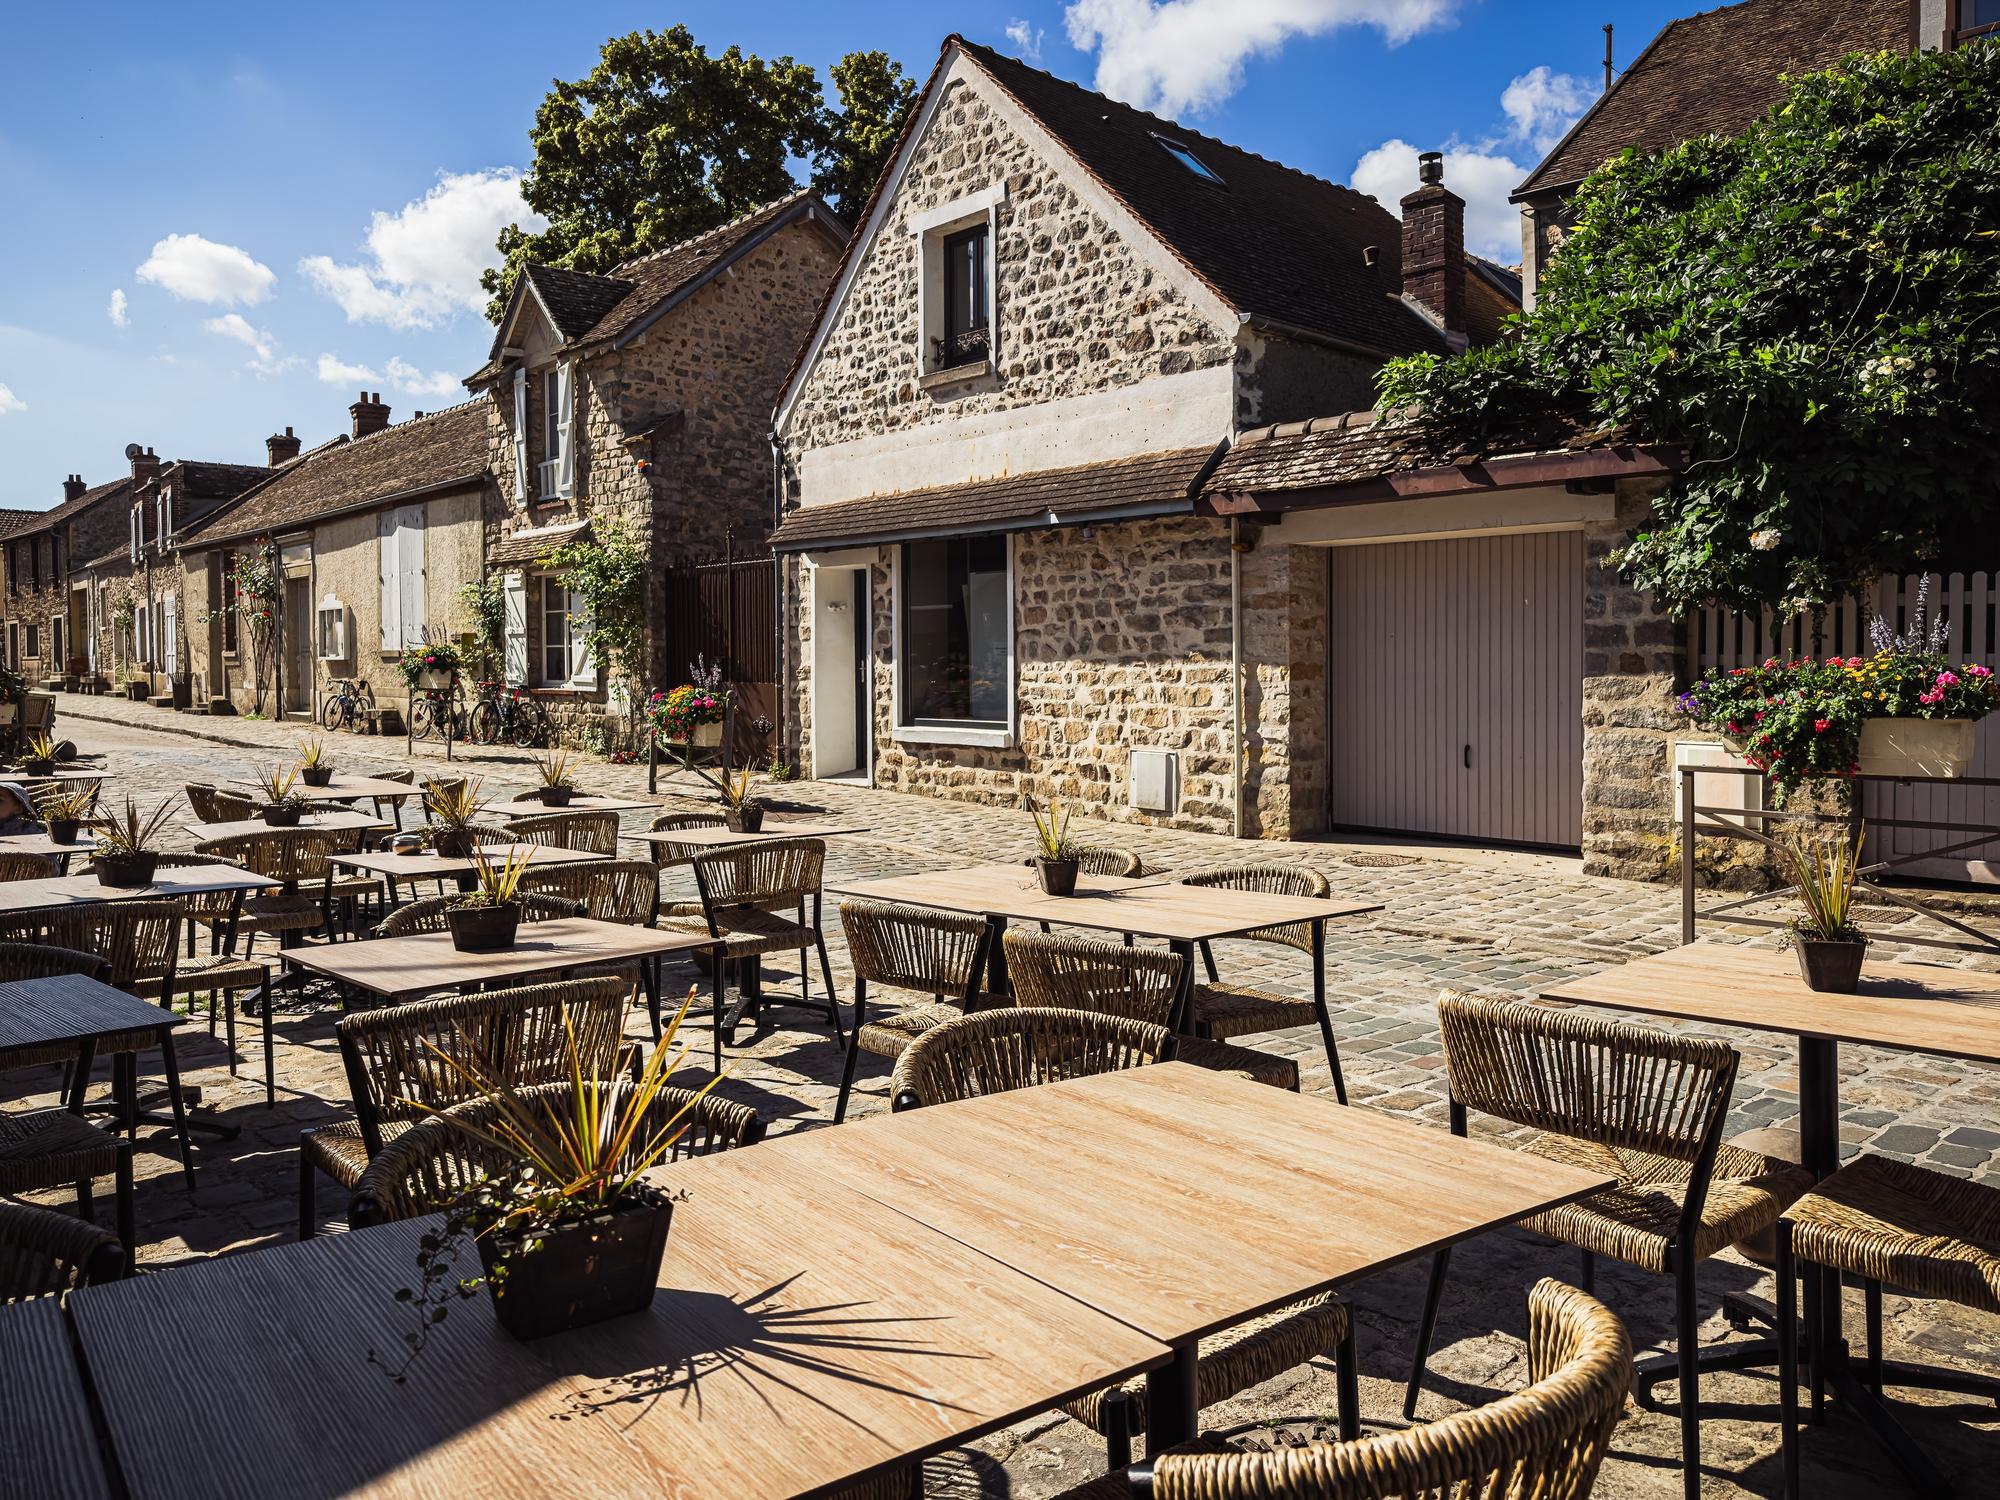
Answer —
706 736
429 679
1917 747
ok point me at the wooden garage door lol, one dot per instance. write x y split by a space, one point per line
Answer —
1455 674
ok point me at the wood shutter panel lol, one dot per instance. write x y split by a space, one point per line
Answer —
566 428
392 591
514 594
521 491
410 571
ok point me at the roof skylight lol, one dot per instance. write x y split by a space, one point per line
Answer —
1188 159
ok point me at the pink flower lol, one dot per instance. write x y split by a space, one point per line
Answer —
1975 670
1947 679
1821 726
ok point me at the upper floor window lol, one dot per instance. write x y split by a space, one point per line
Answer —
556 479
958 317
966 313
1186 157
1977 19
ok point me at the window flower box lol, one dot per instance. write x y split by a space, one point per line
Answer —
1917 747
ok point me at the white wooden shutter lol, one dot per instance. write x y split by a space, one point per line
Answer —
173 641
566 428
521 491
392 591
410 571
514 594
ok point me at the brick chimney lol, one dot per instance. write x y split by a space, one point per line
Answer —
1434 248
73 488
283 447
145 464
369 414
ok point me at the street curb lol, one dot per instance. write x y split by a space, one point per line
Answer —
70 711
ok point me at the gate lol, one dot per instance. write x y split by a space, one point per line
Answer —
726 614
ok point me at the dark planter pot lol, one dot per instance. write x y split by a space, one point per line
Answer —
64 830
585 1272
483 929
127 871
557 796
1830 968
453 845
39 767
748 818
1058 876
275 816
138 692
315 775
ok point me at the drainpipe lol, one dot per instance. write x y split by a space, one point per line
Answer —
1236 674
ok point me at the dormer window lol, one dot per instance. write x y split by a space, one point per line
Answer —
1186 157
964 340
958 320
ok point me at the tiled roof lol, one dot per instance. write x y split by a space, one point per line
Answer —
1152 484
211 480
576 300
1273 242
533 544
1713 73
43 520
12 521
427 452
1362 445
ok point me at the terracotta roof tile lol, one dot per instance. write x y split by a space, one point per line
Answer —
576 300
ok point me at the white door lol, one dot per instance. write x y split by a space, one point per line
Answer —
839 671
1455 679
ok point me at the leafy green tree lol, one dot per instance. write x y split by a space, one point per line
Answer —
663 140
1810 312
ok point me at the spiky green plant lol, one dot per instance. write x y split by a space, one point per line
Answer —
452 805
1052 831
312 753
275 782
1825 871
128 833
499 879
554 770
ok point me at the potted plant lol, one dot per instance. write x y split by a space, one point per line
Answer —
283 806
689 716
138 689
452 807
741 812
1055 856
125 857
64 809
13 688
314 767
567 1230
558 782
484 919
429 666
1824 872
38 758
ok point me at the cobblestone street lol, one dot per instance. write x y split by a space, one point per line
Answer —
1491 923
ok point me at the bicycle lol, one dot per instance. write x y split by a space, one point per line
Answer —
434 712
351 699
507 714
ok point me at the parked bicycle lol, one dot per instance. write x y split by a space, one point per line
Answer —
349 704
434 712
508 715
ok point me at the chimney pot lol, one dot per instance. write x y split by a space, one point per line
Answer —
369 414
1430 168
73 487
145 465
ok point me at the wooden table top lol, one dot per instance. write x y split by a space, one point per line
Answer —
78 890
427 961
70 1007
1908 1007
429 866
774 828
1148 906
48 1448
340 788
70 775
772 1363
1181 1201
534 807
332 820
41 843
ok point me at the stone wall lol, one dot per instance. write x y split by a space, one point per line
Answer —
1291 380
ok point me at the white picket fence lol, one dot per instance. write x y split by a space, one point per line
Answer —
1970 602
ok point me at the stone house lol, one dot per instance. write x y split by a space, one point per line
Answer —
371 535
48 638
1712 74
643 396
1001 576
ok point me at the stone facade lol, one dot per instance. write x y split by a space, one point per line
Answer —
46 611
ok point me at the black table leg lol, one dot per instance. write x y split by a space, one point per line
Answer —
997 982
1181 1013
1173 1399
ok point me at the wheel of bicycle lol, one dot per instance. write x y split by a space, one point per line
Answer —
484 725
336 713
423 718
531 724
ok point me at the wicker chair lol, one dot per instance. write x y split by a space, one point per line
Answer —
626 891
48 1148
427 1167
1080 973
1223 1011
42 961
1882 1221
301 859
391 808
397 1076
43 1254
1643 1105
668 855
201 801
748 896
218 974
594 832
427 915
17 864
1544 1442
939 954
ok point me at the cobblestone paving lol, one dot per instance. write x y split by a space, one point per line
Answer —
1492 924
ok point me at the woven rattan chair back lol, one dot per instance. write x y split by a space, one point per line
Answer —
299 857
1014 1048
404 1061
203 906
427 1167
781 873
1106 979
626 891
1107 859
935 953
1631 1088
1270 880
44 961
668 853
43 1253
201 801
596 832
18 864
136 938
1544 1442
427 915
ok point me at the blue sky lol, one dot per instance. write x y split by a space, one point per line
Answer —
223 215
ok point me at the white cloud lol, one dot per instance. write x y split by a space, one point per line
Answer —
264 356
414 382
1171 56
1483 179
422 263
1026 40
9 401
200 270
337 372
1543 104
116 311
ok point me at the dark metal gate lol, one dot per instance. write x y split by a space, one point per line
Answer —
725 613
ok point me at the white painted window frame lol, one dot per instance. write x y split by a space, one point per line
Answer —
930 229
1002 738
582 674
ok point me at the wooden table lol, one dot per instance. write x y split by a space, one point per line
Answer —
350 788
773 1362
331 820
393 868
534 807
41 843
1181 1201
1905 1007
24 779
66 1010
725 838
172 881
48 1445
